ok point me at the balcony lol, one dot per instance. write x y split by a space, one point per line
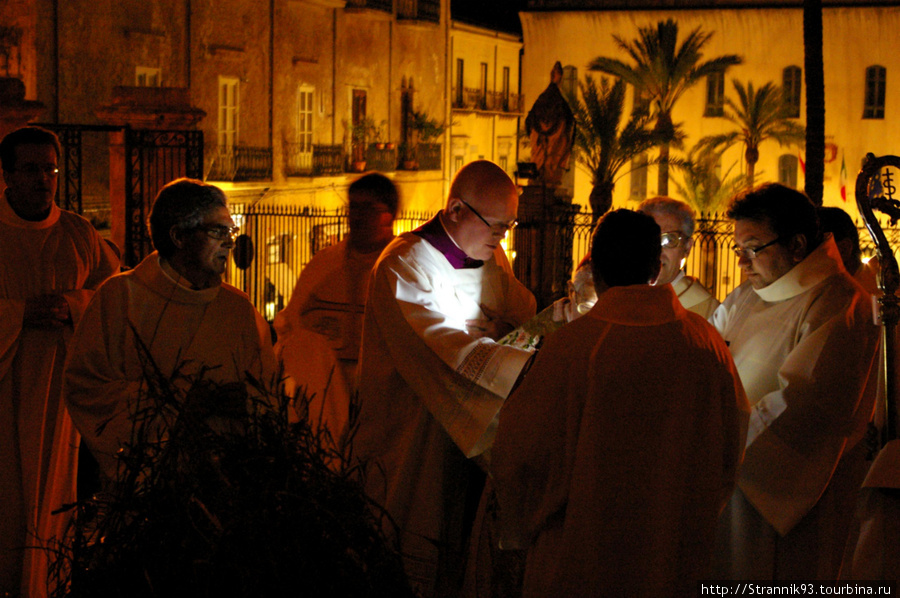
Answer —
491 101
322 160
382 159
241 163
382 5
428 155
419 10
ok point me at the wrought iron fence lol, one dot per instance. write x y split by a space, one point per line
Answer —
420 10
285 239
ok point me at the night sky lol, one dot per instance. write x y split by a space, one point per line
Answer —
496 14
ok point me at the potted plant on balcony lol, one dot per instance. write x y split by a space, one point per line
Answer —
426 130
360 133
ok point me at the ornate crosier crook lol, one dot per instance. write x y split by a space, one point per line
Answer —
870 196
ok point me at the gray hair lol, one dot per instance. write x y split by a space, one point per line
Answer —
181 204
672 207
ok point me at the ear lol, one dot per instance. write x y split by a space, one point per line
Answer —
178 237
454 208
798 247
688 245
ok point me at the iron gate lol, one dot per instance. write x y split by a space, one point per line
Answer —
152 159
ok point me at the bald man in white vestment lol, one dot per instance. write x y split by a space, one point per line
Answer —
51 261
802 336
431 376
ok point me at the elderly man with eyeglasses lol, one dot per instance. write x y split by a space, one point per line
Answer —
431 376
676 221
174 303
51 261
801 332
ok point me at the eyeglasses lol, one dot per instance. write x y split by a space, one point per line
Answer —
672 240
497 229
36 169
220 233
751 253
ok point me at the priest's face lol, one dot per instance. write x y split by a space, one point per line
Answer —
371 222
31 184
205 249
773 259
675 249
484 220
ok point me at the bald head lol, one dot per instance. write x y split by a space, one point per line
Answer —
482 207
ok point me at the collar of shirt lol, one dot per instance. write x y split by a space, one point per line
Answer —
8 216
822 262
434 232
637 305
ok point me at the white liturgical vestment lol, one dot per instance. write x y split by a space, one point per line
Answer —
430 392
184 330
61 254
805 348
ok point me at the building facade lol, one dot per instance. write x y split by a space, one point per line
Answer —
858 61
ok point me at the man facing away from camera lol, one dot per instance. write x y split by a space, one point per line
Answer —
616 454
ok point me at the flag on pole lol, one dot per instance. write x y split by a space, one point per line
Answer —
843 178
802 163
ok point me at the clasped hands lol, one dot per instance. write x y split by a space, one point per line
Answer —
47 311
492 326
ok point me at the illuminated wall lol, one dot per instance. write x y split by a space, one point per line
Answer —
769 40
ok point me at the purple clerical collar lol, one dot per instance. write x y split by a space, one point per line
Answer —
433 231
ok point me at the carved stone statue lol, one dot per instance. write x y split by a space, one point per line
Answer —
551 127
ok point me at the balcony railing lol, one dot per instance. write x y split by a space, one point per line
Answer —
428 155
328 159
491 101
420 10
385 5
381 159
240 163
298 159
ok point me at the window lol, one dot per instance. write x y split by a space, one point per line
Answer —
506 88
787 170
484 85
791 84
229 96
503 162
641 102
457 163
569 84
304 138
875 84
146 76
359 117
460 90
639 179
715 94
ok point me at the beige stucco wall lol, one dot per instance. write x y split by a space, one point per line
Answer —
477 134
769 40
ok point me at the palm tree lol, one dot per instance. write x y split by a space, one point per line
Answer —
704 188
662 71
599 145
759 114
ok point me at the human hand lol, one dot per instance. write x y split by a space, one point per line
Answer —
491 326
46 311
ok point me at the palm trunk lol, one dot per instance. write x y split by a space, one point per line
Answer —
601 199
663 180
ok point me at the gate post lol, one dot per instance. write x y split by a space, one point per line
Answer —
130 194
543 242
